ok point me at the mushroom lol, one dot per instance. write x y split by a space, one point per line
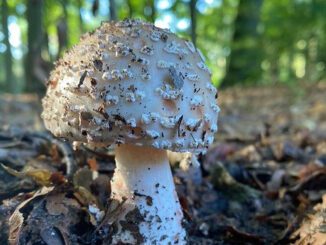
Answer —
144 90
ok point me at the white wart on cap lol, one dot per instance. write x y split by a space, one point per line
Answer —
133 83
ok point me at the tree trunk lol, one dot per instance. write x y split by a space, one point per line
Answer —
193 19
321 57
81 23
62 30
130 9
34 37
245 58
151 4
10 85
113 13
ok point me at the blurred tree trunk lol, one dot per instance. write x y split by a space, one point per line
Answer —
193 19
95 6
113 11
321 58
313 41
62 30
274 70
291 72
311 56
81 23
10 85
245 59
130 8
151 5
35 38
321 42
46 47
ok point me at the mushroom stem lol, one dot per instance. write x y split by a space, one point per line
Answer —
152 212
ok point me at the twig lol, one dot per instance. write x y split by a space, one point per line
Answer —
64 147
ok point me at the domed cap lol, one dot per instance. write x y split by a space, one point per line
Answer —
130 82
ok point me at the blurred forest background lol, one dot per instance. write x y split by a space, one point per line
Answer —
246 41
262 181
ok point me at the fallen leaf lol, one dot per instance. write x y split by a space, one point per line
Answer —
55 206
92 163
244 236
84 196
313 228
40 176
16 219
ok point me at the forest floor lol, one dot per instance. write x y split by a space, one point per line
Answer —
262 182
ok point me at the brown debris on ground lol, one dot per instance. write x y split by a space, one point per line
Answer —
263 182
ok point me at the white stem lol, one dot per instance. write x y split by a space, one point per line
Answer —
152 210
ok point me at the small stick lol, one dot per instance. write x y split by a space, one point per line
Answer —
64 147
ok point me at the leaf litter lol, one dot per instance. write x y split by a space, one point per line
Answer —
262 182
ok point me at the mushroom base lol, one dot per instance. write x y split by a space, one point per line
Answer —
151 210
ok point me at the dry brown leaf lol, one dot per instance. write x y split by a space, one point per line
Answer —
83 177
57 178
248 153
308 170
113 212
244 236
55 205
54 153
40 176
84 196
92 163
315 181
313 228
16 220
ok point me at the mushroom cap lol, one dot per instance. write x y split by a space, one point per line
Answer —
130 82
